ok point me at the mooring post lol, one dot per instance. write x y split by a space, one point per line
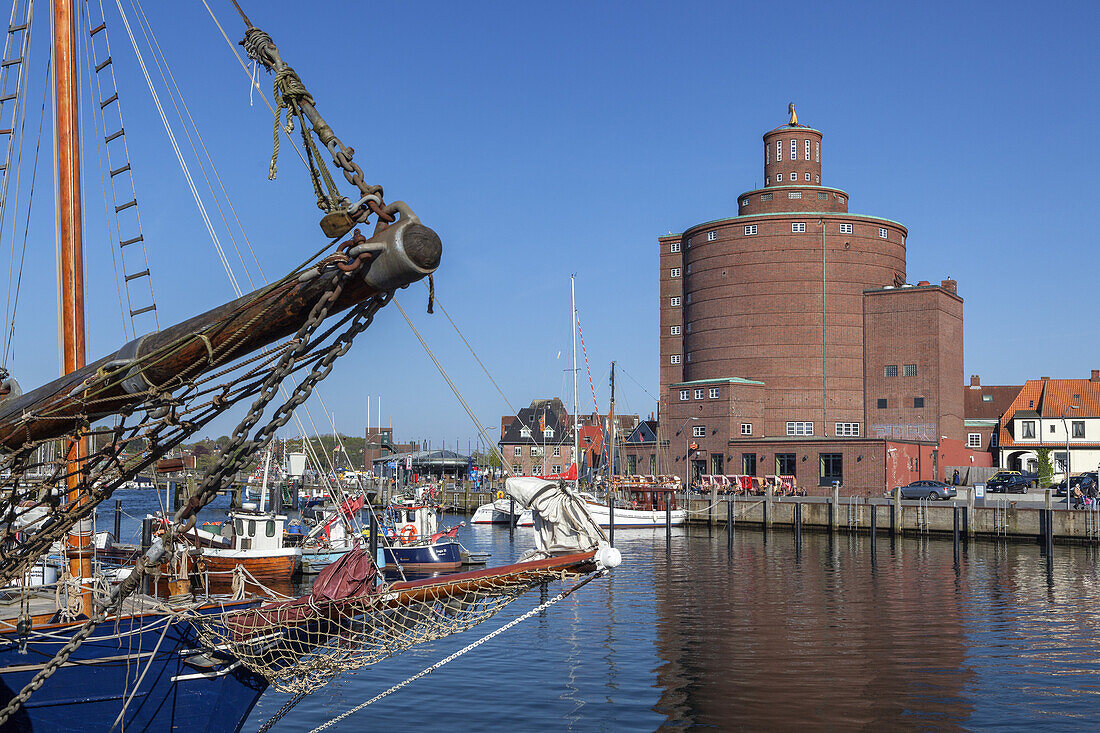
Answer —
767 506
797 521
955 528
874 522
146 542
118 519
729 522
834 508
668 520
512 519
611 518
895 512
970 513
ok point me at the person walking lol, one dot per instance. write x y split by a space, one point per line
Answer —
955 478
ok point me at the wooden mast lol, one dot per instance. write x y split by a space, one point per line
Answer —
70 262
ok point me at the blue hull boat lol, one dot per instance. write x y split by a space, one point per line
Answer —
444 555
152 665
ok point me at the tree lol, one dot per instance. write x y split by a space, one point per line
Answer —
1046 467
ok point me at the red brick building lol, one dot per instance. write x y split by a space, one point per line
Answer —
792 342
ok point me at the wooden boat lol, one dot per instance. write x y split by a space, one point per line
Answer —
255 545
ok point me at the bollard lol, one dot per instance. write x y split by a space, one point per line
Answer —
955 529
767 507
712 511
610 518
970 513
118 518
798 521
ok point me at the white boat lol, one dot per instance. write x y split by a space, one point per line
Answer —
646 510
495 512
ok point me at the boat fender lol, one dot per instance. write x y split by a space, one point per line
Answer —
608 558
408 533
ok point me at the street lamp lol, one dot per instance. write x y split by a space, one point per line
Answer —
687 454
1071 407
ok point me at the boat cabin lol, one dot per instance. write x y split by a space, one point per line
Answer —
248 530
413 522
648 497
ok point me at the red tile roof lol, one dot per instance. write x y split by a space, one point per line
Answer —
1051 398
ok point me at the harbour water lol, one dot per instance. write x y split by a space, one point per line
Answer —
770 634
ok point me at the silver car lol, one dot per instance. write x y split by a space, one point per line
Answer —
928 490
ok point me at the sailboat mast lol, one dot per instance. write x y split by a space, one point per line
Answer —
70 263
576 411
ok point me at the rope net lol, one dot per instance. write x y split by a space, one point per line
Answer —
301 645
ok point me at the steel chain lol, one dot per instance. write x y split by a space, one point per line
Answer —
362 318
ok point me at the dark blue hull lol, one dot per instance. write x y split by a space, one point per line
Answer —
440 556
89 692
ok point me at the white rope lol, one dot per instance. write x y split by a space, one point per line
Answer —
460 652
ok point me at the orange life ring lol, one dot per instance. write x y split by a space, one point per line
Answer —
408 533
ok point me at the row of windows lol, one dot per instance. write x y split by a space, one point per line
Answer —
751 229
822 195
535 450
882 403
794 179
526 432
1077 428
891 370
517 470
800 428
713 393
794 150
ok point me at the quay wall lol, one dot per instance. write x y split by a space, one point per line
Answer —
997 518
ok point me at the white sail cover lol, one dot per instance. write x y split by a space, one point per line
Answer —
562 523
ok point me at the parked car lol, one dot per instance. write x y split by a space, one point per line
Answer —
1011 483
928 490
1086 481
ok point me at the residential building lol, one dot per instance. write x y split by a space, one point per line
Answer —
1047 414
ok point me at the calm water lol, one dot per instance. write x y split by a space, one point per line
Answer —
769 635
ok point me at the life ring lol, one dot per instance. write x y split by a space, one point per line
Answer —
500 494
408 533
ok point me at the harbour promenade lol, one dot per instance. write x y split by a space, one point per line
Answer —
1026 517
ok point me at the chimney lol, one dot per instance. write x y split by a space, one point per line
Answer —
1095 376
923 283
975 382
950 286
1044 378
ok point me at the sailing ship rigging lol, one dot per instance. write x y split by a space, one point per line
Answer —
205 661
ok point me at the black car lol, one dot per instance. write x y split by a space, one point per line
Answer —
1013 483
928 490
1086 481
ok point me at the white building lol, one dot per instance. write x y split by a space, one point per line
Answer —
1049 413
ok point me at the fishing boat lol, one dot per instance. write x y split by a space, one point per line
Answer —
256 544
417 544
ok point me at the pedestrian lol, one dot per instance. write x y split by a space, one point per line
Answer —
955 478
1077 497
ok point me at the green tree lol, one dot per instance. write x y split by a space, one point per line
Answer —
1046 467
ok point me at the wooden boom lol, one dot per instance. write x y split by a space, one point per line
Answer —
403 253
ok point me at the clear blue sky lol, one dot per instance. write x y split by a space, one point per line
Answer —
541 140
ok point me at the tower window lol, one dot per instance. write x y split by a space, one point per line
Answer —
750 229
675 246
817 151
883 232
918 402
713 393
674 301
846 429
711 236
817 178
674 330
880 403
800 428
765 197
744 202
821 194
807 178
794 194
845 228
778 151
798 226
891 370
807 153
746 428
778 177
674 272
699 394
910 370
794 150
685 394
768 153
674 359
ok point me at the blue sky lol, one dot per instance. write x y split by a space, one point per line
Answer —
542 140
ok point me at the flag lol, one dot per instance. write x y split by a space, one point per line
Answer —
542 421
